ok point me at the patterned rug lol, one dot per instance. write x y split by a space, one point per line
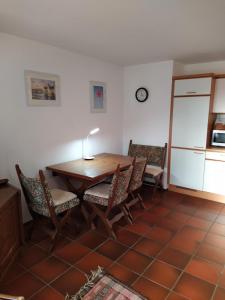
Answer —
102 286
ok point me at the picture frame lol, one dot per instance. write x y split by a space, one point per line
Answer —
98 101
42 89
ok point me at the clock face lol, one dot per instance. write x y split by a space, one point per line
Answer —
141 94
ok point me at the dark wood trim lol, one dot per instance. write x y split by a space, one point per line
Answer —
191 96
170 132
193 76
198 194
211 117
191 149
215 160
218 76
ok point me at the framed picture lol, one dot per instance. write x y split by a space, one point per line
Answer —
42 89
98 96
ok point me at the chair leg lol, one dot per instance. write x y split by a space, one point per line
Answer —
125 213
141 201
104 220
128 212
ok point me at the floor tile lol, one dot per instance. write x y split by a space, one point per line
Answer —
219 294
221 281
14 271
206 215
61 242
162 273
25 285
48 293
112 249
49 269
174 257
31 255
92 261
92 239
211 253
199 223
126 237
179 244
148 247
204 270
215 240
135 261
192 233
178 216
72 252
194 288
122 273
70 282
221 219
138 228
218 229
175 296
170 224
160 234
150 289
160 211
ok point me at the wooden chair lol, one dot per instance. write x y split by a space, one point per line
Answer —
156 158
53 205
103 197
136 182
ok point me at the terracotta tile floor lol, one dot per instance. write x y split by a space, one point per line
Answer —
174 250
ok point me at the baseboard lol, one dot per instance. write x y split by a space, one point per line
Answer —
198 194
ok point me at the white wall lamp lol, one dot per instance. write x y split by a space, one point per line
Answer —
87 156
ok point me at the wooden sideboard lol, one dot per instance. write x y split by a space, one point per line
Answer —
11 227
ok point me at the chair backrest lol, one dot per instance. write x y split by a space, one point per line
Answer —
34 194
155 155
120 184
137 174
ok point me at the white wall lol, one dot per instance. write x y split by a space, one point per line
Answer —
148 122
35 137
217 67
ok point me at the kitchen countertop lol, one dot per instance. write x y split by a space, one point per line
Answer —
216 149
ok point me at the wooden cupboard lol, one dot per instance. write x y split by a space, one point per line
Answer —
11 232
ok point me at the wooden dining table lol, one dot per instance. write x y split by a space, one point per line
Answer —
89 172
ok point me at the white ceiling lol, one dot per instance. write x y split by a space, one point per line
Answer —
123 31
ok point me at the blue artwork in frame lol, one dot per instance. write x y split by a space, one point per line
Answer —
98 96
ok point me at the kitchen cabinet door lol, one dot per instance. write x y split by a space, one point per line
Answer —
190 122
214 177
187 168
194 86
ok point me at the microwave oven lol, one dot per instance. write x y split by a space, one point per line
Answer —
218 138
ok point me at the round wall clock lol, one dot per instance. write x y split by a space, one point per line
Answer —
141 94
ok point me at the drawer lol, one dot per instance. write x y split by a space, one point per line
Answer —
194 86
215 155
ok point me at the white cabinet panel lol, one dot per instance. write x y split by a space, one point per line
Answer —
214 177
195 86
187 168
219 98
190 121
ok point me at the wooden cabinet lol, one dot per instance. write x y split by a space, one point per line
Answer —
187 168
219 99
190 122
193 86
11 234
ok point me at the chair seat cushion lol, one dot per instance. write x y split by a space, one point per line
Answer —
153 171
98 194
63 200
